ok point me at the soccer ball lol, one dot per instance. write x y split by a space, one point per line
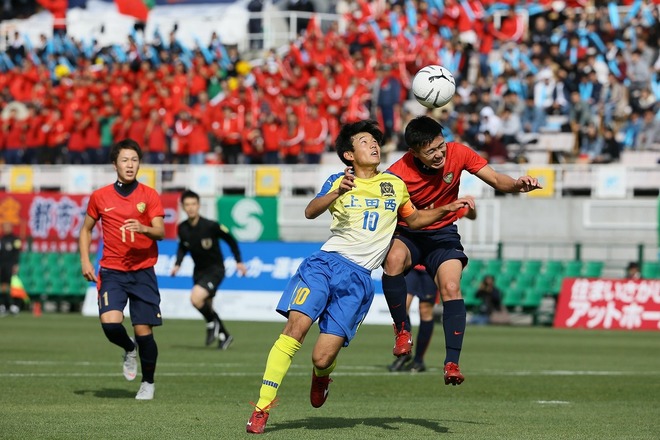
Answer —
433 86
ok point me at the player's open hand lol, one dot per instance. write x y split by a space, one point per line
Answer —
527 184
347 182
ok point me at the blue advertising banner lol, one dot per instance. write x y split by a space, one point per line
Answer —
253 297
270 265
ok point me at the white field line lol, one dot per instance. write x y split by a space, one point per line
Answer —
254 370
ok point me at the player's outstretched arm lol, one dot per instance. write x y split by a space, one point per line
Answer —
425 217
318 205
507 184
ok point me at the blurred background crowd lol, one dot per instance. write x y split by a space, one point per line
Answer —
523 69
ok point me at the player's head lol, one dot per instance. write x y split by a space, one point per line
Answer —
424 137
348 142
125 155
190 203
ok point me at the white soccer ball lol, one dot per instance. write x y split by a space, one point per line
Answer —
433 86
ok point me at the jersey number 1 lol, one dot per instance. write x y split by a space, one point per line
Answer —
123 235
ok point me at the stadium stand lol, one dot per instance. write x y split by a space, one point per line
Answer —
558 75
578 86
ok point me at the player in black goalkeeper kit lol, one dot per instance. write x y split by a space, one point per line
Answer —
199 236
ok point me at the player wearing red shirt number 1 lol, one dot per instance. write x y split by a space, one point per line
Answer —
431 170
131 216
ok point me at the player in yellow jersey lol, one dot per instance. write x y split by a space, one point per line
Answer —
334 284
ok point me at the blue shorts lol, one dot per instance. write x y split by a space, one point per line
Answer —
332 289
116 287
421 285
433 247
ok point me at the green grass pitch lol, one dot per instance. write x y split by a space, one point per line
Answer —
61 379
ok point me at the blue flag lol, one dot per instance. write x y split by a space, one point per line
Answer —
614 15
411 14
395 29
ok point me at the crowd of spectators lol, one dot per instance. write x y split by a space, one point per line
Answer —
521 69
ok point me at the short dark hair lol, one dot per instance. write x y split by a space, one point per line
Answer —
344 142
421 131
125 144
189 194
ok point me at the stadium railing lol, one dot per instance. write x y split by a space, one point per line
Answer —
568 179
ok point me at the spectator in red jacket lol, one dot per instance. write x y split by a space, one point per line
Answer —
199 145
317 132
252 142
77 146
14 129
292 137
183 128
155 146
272 135
137 126
35 136
57 134
93 134
230 135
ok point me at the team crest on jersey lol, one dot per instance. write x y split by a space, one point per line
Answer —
386 189
207 243
448 177
141 207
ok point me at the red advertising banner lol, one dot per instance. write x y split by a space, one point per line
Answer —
609 304
51 221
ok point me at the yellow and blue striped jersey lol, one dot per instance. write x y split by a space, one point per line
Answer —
364 219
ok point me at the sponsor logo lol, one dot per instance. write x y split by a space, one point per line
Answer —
109 209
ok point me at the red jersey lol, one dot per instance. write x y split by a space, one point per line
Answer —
123 250
433 190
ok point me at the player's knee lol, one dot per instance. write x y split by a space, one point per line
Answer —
395 263
323 360
196 303
450 290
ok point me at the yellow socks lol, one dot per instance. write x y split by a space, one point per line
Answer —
327 371
277 365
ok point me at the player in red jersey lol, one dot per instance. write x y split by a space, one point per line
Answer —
421 285
432 170
132 219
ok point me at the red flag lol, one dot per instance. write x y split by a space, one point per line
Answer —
134 8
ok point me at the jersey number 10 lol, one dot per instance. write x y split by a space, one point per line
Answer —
370 220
